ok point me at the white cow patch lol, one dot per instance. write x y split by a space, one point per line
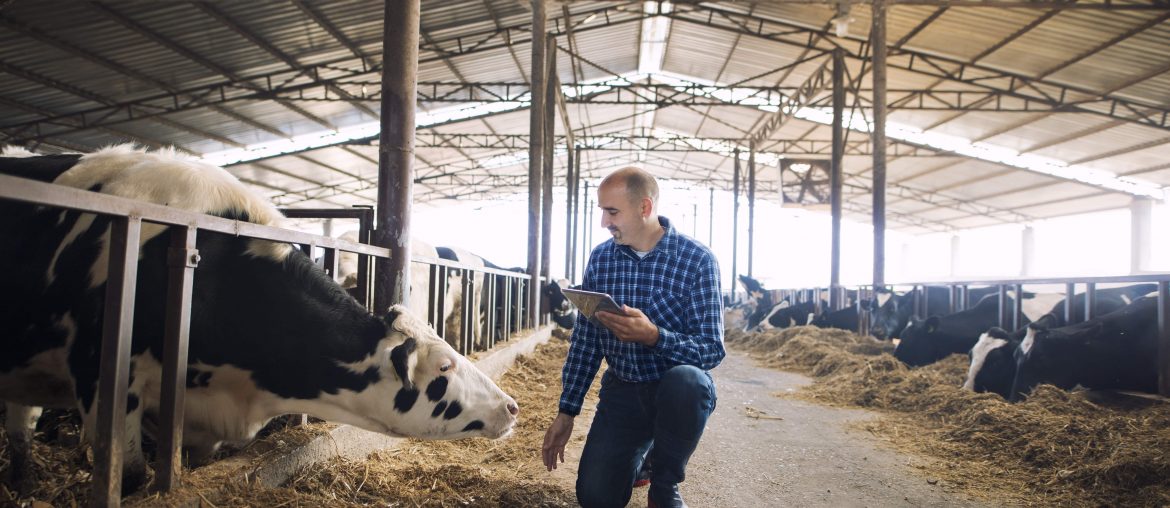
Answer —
1040 304
979 353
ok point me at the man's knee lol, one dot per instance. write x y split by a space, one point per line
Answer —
592 493
685 384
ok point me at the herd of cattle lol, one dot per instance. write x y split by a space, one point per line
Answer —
1116 349
270 332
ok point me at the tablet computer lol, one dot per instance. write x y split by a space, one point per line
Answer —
590 302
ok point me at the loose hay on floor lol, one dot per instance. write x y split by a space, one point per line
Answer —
1056 448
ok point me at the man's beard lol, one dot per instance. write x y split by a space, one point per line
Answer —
617 236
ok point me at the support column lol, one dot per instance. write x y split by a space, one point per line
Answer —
835 177
878 137
536 153
576 215
1028 252
751 206
396 152
955 244
550 129
569 195
734 223
711 220
1140 234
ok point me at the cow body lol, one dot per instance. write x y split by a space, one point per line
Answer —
994 356
270 332
1116 351
928 341
844 319
893 311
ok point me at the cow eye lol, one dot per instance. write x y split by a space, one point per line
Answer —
445 367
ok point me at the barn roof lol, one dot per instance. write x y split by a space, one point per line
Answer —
1000 111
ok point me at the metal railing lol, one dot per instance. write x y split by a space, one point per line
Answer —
127 217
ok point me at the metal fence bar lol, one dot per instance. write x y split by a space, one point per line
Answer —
118 325
1003 306
1018 307
1164 338
183 257
1070 290
1090 299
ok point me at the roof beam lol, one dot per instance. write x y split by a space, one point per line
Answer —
1054 95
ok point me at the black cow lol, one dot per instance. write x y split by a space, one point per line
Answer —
270 332
890 317
844 319
925 342
993 357
1117 351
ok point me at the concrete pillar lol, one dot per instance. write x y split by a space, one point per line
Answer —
954 256
1140 234
1028 252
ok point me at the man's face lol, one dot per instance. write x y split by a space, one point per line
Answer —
619 215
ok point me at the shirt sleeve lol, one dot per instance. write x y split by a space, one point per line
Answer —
583 360
701 343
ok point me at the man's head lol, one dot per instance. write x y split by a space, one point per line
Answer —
628 199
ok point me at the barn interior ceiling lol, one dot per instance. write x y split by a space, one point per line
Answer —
1000 111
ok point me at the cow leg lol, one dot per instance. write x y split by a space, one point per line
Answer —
20 423
134 471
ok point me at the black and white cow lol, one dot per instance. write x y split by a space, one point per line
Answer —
783 315
891 312
993 357
270 332
930 340
1117 351
843 319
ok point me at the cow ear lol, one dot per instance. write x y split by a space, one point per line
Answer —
931 324
392 314
997 333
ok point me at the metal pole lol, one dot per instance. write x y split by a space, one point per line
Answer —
536 151
1164 338
396 152
1018 307
587 231
711 221
734 224
114 379
878 40
1003 312
1090 299
835 174
751 205
570 198
181 261
546 197
1069 312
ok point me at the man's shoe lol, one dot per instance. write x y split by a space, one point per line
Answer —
660 496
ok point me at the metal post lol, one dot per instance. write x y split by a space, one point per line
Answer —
586 231
550 129
1164 338
735 223
835 184
1003 306
878 137
1090 299
1069 293
181 262
396 152
751 234
711 222
536 139
1018 307
114 373
569 194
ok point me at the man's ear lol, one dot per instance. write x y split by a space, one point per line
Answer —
647 207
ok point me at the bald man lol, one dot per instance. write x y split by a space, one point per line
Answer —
656 393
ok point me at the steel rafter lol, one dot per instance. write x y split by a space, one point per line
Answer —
1054 95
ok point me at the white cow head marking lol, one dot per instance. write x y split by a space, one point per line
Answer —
428 390
1029 339
979 353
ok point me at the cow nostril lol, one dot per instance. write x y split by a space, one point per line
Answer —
513 408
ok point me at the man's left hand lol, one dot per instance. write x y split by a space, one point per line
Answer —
633 327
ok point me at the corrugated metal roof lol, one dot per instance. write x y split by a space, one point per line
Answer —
64 57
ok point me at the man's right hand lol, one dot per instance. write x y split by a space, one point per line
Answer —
555 440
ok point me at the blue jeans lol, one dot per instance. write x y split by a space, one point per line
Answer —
669 414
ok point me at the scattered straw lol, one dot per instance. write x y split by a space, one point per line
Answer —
1056 448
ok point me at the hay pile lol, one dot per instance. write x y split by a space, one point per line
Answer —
1056 448
469 472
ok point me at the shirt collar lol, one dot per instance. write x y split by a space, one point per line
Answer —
665 245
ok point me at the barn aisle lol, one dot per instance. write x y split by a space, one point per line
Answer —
807 457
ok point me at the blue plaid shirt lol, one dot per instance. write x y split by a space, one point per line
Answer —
676 285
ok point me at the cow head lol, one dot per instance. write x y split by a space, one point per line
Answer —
891 314
1038 358
993 364
918 342
427 390
553 301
